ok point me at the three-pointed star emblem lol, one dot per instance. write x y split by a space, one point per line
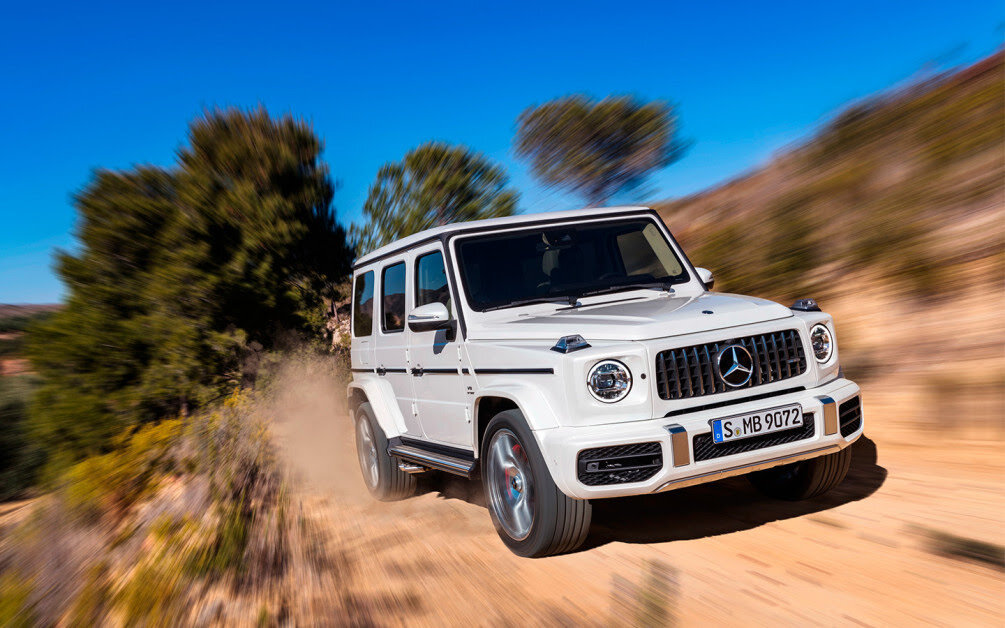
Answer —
736 367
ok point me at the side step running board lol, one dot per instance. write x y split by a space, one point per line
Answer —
458 465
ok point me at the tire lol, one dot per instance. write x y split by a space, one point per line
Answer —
805 479
381 474
517 482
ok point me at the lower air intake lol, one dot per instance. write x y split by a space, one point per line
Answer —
619 464
850 416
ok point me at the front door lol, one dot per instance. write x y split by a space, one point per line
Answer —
438 382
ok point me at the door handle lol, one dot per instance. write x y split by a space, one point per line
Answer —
417 371
381 371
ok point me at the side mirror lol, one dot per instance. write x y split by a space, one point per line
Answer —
706 278
429 317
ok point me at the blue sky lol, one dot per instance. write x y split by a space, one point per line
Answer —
89 85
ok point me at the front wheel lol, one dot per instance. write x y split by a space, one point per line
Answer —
532 516
804 479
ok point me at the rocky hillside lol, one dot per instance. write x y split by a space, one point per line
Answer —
906 188
893 215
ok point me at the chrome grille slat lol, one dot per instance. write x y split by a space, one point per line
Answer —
776 363
687 373
767 359
788 360
676 371
697 372
692 371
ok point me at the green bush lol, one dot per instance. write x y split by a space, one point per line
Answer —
184 276
111 482
20 458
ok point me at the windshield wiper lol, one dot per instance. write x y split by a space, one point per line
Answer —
661 285
571 300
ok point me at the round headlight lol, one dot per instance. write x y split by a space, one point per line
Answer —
823 342
609 381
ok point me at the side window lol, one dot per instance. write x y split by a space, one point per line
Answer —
645 252
362 305
392 306
431 280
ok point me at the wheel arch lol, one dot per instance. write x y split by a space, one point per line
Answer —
530 401
385 408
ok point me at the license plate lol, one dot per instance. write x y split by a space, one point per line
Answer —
757 423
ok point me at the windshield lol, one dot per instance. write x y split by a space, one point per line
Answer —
565 263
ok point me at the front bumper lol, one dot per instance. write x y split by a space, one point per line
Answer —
561 446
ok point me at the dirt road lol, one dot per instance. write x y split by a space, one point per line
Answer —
873 552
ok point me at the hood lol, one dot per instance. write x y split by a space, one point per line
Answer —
623 317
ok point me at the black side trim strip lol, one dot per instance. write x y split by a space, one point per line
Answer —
425 371
362 370
514 371
465 371
732 402
436 448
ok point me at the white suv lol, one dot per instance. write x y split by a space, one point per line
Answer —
579 355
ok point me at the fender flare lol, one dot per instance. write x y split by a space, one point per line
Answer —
529 399
380 396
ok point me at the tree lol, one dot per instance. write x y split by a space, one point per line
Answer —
435 184
184 276
598 149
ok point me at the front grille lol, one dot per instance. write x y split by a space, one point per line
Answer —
619 464
688 372
706 449
850 415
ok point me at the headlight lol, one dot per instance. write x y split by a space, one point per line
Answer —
822 341
609 381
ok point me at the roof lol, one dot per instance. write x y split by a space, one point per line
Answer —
508 221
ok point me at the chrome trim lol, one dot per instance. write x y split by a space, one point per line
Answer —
429 459
830 415
418 318
701 478
411 468
678 442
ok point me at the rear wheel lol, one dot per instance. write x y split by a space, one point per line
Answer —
532 516
381 474
803 479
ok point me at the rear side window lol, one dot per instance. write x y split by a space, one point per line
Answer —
362 305
431 280
392 288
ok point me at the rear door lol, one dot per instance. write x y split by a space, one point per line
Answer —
362 322
391 357
438 377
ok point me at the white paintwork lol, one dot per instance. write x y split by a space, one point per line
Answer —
653 314
631 327
574 215
705 275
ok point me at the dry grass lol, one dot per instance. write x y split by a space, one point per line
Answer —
184 523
